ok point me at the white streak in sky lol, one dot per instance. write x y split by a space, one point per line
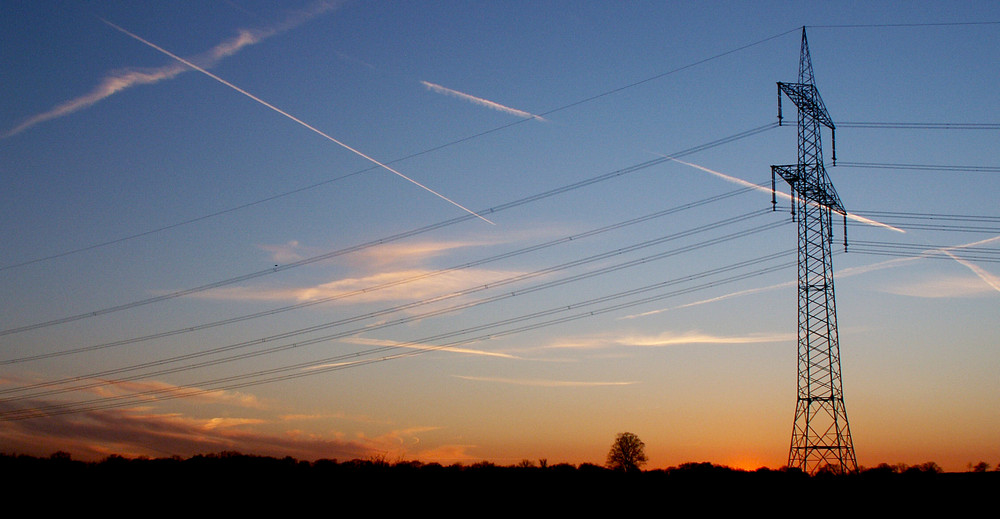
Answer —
665 339
122 80
988 278
712 299
671 339
742 182
480 101
400 345
296 119
418 346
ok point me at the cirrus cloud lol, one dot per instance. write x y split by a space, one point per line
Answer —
120 80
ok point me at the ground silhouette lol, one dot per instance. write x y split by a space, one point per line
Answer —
231 479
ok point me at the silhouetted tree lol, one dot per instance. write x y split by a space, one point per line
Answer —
928 467
628 453
830 469
60 456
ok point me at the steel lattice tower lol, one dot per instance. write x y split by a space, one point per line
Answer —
821 436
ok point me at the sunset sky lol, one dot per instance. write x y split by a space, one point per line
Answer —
453 231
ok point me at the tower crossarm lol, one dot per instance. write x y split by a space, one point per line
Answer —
807 99
799 178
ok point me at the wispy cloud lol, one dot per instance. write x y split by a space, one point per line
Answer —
671 339
942 287
545 383
365 419
397 285
226 422
294 119
144 390
665 339
369 259
132 432
417 346
118 81
284 253
411 253
352 59
390 272
479 101
152 389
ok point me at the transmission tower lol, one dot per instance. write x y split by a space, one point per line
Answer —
821 436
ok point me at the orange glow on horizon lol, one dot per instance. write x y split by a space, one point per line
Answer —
747 462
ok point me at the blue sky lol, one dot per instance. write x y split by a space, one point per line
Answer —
129 176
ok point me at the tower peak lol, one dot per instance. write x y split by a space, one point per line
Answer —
805 62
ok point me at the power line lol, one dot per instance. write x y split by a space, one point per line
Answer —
390 162
330 337
969 253
930 221
413 342
931 216
936 221
875 25
920 126
919 167
381 286
399 236
322 365
916 226
925 254
409 306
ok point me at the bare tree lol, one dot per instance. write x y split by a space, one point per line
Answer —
628 453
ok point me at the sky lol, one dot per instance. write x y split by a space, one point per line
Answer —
453 231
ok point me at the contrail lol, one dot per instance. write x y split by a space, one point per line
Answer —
293 118
988 278
695 337
480 101
713 299
117 81
742 182
419 346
